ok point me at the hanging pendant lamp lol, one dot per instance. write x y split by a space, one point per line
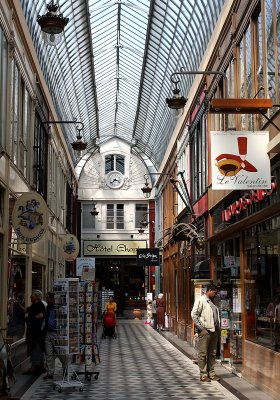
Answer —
52 24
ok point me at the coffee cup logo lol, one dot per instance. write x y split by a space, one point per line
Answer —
231 164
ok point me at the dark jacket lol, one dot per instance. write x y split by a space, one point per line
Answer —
34 331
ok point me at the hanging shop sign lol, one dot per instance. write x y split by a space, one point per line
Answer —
30 217
239 160
147 257
112 247
70 247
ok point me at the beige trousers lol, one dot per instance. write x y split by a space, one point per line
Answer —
207 352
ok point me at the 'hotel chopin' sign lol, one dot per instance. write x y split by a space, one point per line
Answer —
112 247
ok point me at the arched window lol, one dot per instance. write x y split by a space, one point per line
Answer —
114 162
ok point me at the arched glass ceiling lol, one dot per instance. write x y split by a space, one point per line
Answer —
112 70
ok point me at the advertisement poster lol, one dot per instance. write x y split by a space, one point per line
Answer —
85 265
239 160
224 323
236 299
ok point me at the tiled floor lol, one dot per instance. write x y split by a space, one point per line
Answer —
139 365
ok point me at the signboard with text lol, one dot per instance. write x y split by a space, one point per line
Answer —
147 257
239 160
112 247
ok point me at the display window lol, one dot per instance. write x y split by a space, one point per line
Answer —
227 262
262 283
16 299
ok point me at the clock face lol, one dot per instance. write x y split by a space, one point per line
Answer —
115 179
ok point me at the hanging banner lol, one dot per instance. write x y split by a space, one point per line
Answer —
147 257
239 160
30 217
70 247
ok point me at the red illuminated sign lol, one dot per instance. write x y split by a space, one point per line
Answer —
254 196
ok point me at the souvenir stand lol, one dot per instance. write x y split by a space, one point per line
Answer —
67 318
88 315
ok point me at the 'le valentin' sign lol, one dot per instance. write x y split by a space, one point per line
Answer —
147 257
239 160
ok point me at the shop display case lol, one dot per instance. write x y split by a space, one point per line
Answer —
67 341
88 318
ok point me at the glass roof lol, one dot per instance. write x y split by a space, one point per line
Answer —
112 69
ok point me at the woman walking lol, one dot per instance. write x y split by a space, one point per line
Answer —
160 303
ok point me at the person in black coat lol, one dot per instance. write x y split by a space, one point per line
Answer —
34 331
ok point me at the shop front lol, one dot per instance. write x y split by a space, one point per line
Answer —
245 248
117 271
227 264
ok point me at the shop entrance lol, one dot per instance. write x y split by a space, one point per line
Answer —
125 279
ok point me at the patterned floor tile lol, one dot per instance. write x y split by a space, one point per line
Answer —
139 365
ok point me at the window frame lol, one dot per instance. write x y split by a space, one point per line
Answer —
114 163
115 218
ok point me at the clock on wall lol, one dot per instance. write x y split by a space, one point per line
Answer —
115 179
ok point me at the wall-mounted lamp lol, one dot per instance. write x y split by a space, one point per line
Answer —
78 145
52 24
220 105
94 211
174 182
146 189
176 102
98 236
144 222
141 230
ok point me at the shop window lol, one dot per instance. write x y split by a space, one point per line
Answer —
87 218
245 69
60 193
115 216
3 87
1 207
198 156
262 284
227 266
21 110
231 88
40 157
16 299
37 276
272 34
25 129
200 253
